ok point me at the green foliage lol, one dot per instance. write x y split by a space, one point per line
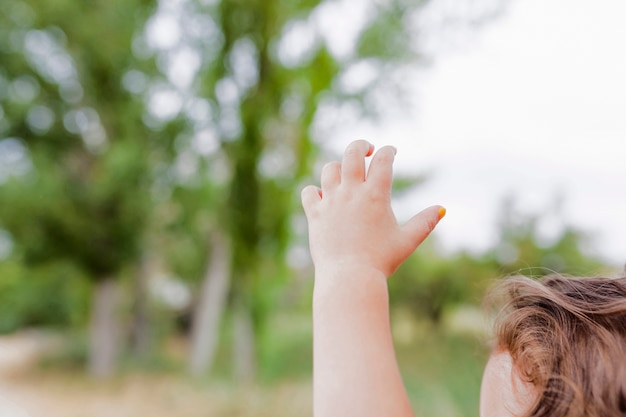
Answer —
521 248
86 198
404 184
442 373
50 295
429 283
386 37
188 220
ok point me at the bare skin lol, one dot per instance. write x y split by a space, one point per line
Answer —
503 392
356 244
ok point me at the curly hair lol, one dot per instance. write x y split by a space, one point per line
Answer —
567 336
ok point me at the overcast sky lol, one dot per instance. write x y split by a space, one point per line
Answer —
534 105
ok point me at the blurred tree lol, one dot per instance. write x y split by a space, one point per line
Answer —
273 72
25 295
523 249
429 283
71 116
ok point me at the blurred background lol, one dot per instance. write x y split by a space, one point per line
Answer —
153 253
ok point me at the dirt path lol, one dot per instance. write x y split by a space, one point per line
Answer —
26 391
17 354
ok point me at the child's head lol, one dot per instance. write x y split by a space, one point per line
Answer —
561 350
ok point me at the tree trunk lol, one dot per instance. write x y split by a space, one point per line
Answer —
210 307
104 329
244 346
140 326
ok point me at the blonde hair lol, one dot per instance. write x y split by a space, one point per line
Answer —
567 336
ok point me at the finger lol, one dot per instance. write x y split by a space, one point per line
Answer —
422 224
310 196
331 175
380 173
353 164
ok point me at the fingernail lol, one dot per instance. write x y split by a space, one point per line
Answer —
442 212
395 150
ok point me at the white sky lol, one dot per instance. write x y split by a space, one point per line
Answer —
534 104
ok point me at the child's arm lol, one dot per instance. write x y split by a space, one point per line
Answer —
356 244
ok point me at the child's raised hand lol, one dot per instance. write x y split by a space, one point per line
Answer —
356 243
351 223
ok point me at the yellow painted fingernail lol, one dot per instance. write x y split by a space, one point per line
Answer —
442 212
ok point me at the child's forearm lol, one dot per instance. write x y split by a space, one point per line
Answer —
355 369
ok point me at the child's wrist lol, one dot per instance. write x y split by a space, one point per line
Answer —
333 276
345 290
342 269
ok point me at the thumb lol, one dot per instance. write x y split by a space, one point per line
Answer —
419 226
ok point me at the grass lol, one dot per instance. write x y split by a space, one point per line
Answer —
442 375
